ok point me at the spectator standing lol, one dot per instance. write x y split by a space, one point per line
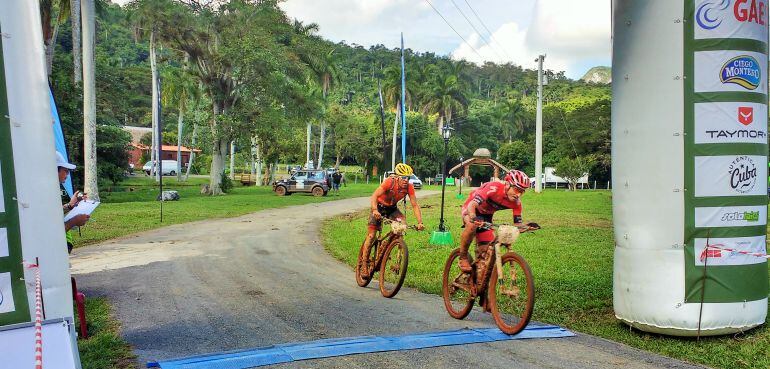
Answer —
336 180
64 169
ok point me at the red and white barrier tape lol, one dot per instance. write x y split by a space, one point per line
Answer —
705 252
38 317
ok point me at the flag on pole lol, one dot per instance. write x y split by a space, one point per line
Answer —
403 103
61 147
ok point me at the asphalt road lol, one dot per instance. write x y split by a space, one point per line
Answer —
265 279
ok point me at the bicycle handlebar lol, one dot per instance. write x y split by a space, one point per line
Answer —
389 221
522 228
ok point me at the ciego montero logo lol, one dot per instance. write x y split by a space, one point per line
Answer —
711 13
742 70
743 174
747 216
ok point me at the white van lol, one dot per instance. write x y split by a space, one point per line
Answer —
169 167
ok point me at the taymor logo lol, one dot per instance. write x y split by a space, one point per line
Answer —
743 174
742 70
711 13
745 115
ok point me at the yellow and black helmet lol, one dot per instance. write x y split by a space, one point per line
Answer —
403 170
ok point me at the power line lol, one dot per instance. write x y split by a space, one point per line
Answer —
487 28
475 29
453 29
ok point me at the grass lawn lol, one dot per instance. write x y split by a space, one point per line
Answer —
104 348
131 206
571 258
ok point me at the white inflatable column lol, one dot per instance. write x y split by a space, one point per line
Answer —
689 164
31 223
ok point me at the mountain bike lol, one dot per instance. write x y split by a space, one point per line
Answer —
389 255
501 281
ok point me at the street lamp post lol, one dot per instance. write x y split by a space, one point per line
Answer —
442 237
447 133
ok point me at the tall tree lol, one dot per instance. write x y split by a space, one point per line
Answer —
89 99
325 69
180 90
238 48
77 68
445 97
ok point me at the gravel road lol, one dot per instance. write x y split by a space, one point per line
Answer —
264 278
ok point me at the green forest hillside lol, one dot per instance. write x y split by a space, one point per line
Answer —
248 73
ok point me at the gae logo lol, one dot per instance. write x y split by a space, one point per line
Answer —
711 13
742 70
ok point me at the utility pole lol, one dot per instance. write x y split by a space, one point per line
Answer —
307 151
539 127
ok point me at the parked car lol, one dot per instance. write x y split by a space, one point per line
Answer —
169 167
316 182
413 179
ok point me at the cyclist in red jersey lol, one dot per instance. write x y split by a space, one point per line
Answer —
384 202
482 205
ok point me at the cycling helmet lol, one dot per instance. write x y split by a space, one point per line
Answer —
518 179
403 170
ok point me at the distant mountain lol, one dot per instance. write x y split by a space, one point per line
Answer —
598 75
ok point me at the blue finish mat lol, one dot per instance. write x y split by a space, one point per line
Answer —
289 352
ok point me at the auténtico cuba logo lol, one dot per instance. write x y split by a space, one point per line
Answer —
742 70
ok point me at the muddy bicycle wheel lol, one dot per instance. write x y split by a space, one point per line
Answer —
363 279
456 288
395 262
512 297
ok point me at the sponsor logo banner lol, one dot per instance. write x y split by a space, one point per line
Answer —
6 295
730 70
731 19
2 194
730 122
731 216
718 257
730 175
3 243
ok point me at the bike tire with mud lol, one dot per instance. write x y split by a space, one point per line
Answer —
364 280
511 311
457 301
393 267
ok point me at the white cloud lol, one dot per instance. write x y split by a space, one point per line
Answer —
569 32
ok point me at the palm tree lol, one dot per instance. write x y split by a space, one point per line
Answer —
89 100
445 96
325 69
144 16
514 118
179 89
77 67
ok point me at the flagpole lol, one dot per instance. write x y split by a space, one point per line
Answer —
403 103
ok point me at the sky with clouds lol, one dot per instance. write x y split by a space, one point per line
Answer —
574 34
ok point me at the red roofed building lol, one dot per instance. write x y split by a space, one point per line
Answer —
168 153
138 150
